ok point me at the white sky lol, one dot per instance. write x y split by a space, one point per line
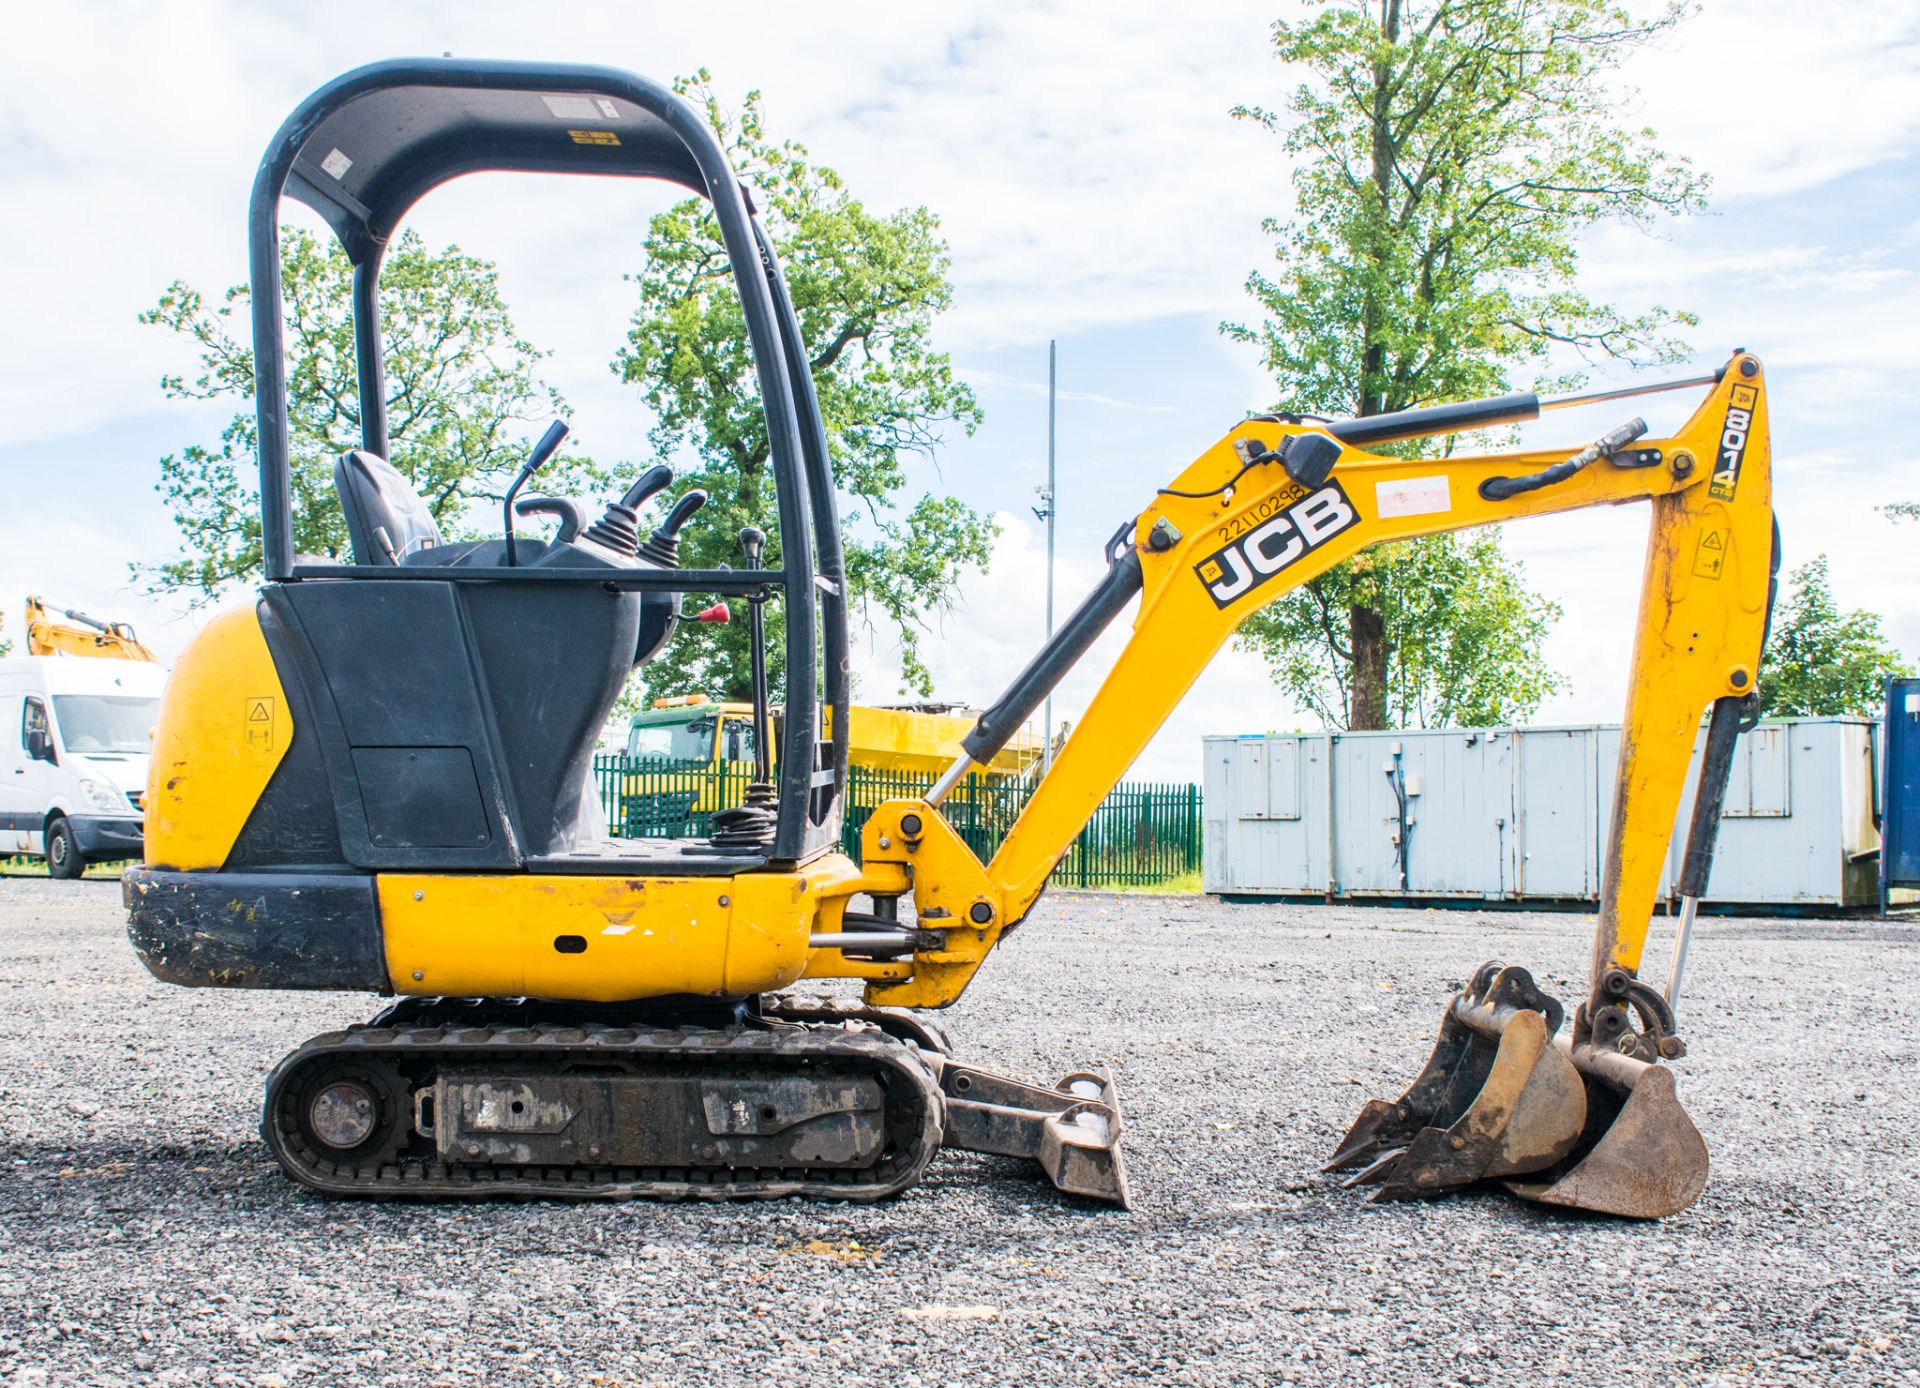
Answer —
1093 190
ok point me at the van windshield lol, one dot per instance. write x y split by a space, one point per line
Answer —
105 722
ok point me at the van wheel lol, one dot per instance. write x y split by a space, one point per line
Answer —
63 854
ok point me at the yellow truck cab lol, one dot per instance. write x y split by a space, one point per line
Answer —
923 739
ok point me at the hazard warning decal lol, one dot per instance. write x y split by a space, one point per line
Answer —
258 723
1710 555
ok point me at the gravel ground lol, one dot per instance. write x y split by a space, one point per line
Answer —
146 1237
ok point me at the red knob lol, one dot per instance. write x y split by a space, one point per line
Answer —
719 612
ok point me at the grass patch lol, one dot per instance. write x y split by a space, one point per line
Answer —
1186 884
25 866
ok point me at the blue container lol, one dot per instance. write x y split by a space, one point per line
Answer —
1900 790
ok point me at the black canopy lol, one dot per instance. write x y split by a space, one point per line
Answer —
364 149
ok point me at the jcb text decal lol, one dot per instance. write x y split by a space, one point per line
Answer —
1276 543
1733 443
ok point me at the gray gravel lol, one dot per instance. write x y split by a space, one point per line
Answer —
146 1237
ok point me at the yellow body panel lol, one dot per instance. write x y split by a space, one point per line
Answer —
625 937
223 728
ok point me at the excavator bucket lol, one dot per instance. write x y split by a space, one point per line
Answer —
1640 1156
1496 1098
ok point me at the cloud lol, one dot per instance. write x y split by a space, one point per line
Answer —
1091 186
979 375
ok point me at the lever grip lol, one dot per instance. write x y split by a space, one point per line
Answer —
645 485
683 511
549 444
753 544
564 507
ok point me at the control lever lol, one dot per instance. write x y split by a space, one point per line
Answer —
565 507
663 546
618 528
1501 488
549 444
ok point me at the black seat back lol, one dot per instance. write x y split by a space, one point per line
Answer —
386 519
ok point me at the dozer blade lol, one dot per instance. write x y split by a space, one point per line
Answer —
1640 1156
1071 1130
1495 1098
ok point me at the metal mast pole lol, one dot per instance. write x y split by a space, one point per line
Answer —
1052 361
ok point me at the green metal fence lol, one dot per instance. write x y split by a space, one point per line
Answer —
1140 835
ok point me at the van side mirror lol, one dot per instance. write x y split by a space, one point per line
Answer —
40 744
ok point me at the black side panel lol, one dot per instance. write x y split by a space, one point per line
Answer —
293 823
554 659
256 930
420 797
386 665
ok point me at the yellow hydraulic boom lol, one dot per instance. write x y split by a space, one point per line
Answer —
80 635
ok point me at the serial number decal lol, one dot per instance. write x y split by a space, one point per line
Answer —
1278 536
1733 443
1267 506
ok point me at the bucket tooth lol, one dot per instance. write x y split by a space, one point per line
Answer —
1072 1130
1640 1156
1495 1098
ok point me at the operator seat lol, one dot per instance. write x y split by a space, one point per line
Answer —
387 520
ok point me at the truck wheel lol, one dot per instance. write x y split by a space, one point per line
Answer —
63 853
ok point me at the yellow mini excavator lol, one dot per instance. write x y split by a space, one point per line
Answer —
376 777
79 635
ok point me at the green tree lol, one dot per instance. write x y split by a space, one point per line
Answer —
1820 661
1449 154
1459 612
866 288
462 401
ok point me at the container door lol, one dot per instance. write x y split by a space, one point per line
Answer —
1758 786
1558 838
1900 828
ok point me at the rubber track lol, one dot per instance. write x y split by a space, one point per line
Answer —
913 1112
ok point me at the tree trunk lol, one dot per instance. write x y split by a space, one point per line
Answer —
1367 688
1366 626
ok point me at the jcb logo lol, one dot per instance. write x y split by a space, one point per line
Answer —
1733 444
1231 573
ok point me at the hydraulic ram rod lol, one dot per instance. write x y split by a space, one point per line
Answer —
1484 414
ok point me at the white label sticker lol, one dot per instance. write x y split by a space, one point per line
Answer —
336 164
607 108
571 107
1412 496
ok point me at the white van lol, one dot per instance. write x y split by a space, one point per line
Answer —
75 738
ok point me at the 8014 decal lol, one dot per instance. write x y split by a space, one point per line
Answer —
1276 543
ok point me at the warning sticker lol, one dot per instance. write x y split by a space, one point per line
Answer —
594 137
259 724
336 164
568 107
1710 556
1412 496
